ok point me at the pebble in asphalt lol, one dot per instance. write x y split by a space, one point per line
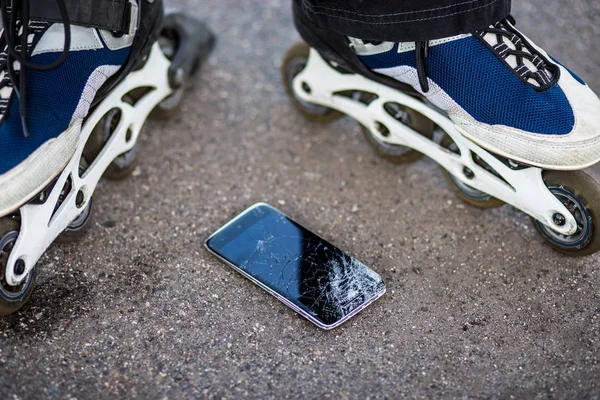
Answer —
477 305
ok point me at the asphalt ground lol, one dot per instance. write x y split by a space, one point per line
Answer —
478 306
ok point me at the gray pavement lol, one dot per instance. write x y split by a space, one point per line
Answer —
477 305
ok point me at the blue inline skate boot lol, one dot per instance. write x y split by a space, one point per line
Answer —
507 122
501 91
78 79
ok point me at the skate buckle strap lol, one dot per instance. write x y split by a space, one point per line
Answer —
117 16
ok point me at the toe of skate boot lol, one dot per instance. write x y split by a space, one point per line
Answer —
553 118
502 92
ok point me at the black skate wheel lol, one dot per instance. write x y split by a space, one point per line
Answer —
294 62
169 42
169 106
470 195
463 191
580 193
78 226
393 152
187 43
12 298
123 165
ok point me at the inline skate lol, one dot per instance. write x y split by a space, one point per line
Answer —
408 108
78 81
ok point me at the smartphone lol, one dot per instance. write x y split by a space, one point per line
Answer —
304 271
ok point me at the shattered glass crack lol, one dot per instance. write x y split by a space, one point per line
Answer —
308 271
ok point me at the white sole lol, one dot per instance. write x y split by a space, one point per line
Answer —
555 153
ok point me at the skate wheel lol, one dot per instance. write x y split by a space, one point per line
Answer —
169 42
470 195
294 62
580 193
393 152
169 106
12 298
123 165
78 226
463 191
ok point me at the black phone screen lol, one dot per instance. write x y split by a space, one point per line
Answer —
317 277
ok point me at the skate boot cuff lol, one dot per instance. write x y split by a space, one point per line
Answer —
117 16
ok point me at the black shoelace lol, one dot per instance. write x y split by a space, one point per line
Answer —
545 75
15 39
421 50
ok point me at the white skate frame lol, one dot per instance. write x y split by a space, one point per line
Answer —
528 192
40 225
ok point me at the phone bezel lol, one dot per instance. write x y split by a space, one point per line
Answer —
277 295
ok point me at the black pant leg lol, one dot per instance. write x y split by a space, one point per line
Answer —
403 20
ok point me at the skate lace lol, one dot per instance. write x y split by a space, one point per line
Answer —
16 44
510 46
519 55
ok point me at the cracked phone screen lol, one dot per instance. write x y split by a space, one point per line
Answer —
294 263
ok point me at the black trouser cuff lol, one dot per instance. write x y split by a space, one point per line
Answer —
400 21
